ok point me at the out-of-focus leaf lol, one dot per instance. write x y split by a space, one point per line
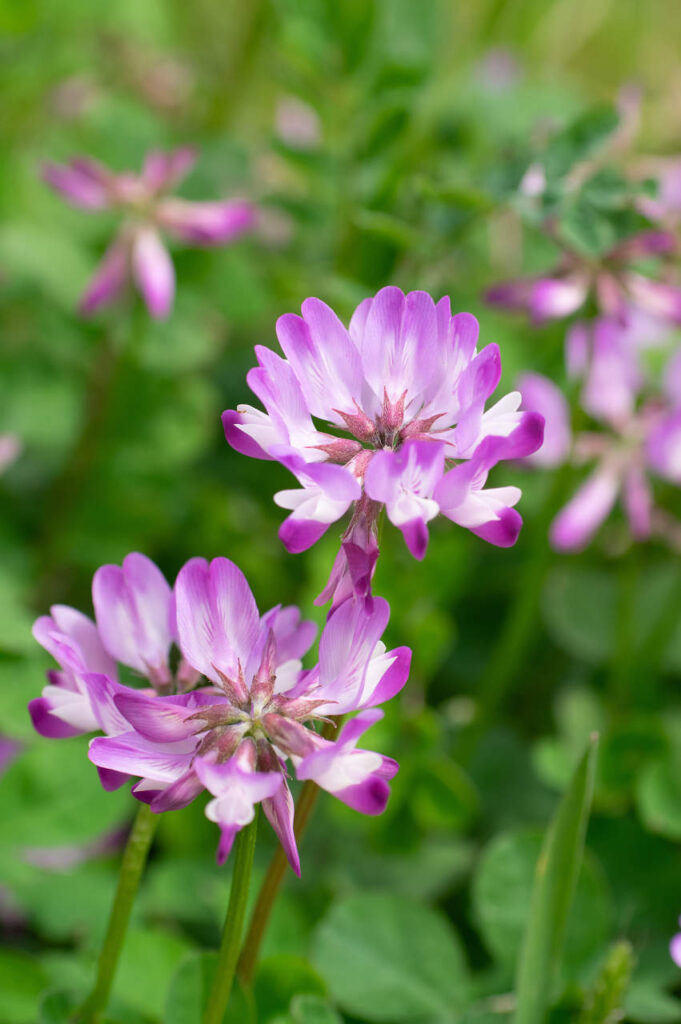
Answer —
279 979
190 988
579 140
502 889
308 1009
603 1001
555 879
148 962
580 609
48 260
388 959
647 1004
658 798
22 979
444 796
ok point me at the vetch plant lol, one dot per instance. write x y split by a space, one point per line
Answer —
237 706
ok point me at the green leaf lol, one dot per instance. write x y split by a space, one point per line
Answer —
22 979
603 1002
312 1010
658 798
444 797
648 1004
149 960
279 979
556 876
386 958
190 987
502 889
579 140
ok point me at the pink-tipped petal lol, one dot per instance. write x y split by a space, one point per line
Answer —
153 271
109 279
574 526
205 223
541 395
83 183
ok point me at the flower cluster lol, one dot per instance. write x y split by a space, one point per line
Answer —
137 252
386 413
630 300
228 702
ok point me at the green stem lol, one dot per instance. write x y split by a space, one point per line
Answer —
271 885
244 847
276 871
132 866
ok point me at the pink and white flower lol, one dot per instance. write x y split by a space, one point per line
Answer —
137 252
237 707
615 284
372 415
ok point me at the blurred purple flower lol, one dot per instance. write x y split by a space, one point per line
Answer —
675 948
614 283
137 252
10 450
9 749
402 392
539 394
297 123
255 706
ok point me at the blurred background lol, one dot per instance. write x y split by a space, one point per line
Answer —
383 142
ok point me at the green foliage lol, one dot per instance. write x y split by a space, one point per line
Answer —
556 874
388 959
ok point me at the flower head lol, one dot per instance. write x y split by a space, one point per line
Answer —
638 438
137 252
238 704
617 287
377 415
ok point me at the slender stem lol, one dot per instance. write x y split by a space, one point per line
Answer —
276 871
132 866
271 885
244 847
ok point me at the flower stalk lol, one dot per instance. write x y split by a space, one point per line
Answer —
132 866
244 847
271 886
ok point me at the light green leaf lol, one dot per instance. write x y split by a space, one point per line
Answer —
189 990
556 876
388 959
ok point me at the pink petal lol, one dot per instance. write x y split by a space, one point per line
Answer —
135 615
109 278
153 271
542 396
205 223
574 526
217 618
83 183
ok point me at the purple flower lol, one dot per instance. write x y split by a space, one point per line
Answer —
400 398
543 396
255 706
10 450
135 626
675 948
614 283
137 252
648 442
